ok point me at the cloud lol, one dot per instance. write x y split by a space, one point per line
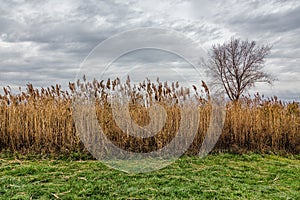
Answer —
44 42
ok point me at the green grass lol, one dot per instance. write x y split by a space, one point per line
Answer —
222 176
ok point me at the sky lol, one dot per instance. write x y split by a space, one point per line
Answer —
45 42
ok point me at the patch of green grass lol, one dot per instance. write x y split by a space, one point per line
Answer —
221 176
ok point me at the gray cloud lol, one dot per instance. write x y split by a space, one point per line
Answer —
269 22
45 42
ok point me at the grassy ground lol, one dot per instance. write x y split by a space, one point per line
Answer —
223 176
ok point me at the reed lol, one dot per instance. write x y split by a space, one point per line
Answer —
41 120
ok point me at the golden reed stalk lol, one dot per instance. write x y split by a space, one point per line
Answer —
40 121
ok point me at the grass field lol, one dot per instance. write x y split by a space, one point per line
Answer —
220 176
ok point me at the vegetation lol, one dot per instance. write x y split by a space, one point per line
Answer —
41 121
224 176
43 157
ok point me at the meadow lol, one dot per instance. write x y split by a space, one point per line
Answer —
217 176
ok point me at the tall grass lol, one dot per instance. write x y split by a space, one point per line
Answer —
41 121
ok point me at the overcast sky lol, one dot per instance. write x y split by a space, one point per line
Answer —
44 42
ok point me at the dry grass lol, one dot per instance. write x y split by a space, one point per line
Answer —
40 121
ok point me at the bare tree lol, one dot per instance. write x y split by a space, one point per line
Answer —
237 65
